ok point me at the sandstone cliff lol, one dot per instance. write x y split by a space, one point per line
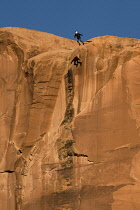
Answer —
69 136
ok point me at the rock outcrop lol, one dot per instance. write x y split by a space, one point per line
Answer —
69 135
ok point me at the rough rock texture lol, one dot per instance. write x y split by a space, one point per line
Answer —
69 136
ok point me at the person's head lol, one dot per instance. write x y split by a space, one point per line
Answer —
76 32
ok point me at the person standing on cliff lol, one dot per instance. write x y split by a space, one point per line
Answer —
78 36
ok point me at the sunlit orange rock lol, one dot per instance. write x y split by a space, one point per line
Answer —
69 135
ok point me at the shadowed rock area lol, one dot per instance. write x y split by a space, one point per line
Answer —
69 134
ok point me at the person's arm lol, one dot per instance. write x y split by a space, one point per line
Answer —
72 60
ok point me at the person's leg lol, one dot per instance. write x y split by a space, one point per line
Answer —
79 62
75 63
78 42
81 41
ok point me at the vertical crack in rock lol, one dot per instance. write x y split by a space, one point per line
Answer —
67 190
64 144
69 82
21 170
65 151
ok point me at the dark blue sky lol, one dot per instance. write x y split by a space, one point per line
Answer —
92 18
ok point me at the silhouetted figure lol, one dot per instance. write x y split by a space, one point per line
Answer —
78 36
76 61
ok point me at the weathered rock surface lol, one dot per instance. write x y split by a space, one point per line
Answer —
69 136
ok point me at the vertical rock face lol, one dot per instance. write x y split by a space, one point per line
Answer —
69 135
